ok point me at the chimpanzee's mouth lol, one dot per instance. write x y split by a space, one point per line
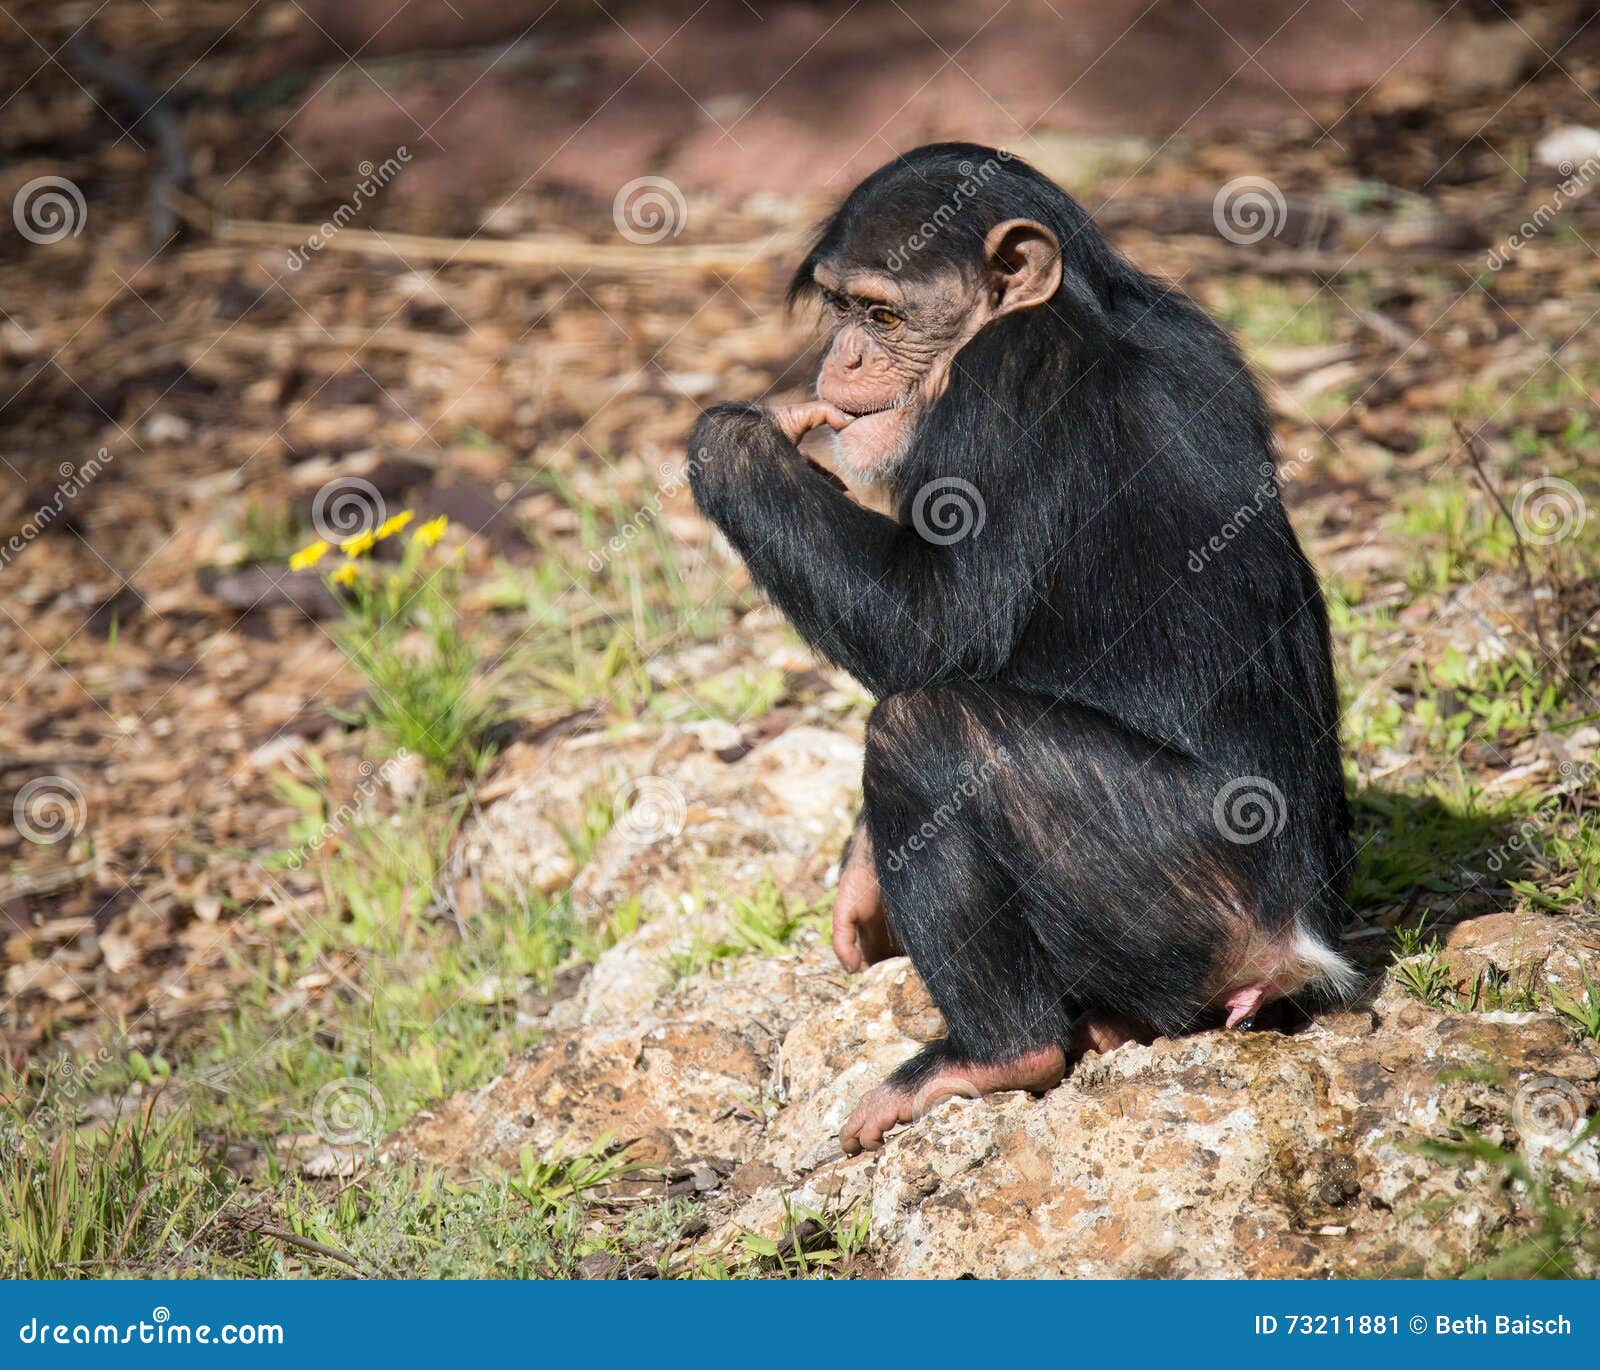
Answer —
898 403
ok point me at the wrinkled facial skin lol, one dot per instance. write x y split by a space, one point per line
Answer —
893 342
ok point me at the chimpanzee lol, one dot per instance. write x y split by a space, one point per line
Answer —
1103 793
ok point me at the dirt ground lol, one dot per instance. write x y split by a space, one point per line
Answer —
487 261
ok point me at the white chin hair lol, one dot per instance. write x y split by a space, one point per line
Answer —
870 450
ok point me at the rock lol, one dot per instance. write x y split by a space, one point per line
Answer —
1220 1155
689 1081
516 845
685 822
1544 954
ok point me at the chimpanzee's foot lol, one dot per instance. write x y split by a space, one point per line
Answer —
1106 1032
891 1104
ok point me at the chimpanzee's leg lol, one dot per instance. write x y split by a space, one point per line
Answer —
1043 868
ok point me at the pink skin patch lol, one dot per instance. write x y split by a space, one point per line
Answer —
1245 1003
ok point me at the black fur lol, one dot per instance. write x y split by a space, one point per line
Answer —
1062 697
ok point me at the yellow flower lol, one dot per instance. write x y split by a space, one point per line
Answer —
394 525
309 556
355 546
347 574
431 531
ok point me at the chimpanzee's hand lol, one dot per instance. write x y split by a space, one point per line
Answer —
861 933
796 420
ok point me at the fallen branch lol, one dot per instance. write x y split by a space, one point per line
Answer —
245 1223
151 109
552 252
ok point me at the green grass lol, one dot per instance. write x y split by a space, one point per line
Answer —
148 1195
1420 970
1419 841
1581 1011
813 1243
426 697
763 923
94 1205
1419 967
1455 534
601 601
420 1003
1559 1237
417 1006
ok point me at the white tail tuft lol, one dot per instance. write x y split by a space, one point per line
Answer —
1323 967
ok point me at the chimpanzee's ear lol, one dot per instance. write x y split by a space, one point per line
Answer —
1024 261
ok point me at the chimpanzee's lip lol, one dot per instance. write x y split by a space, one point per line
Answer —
880 409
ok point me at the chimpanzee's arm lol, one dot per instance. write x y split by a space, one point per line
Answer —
893 608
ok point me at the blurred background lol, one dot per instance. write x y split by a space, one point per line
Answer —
517 768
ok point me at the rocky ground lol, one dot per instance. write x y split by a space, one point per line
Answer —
1333 1150
308 970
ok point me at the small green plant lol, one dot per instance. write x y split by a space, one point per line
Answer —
739 695
1418 967
597 820
403 631
1582 1012
548 1181
813 1243
763 923
1493 991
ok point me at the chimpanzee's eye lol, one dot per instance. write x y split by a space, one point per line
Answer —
884 317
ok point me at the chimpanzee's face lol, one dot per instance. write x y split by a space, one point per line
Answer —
893 342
